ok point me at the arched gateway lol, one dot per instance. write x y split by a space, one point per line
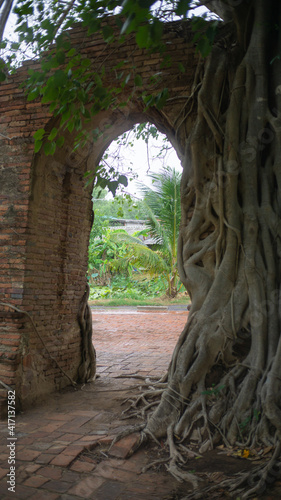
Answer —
46 211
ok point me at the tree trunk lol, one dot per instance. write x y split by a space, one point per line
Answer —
224 381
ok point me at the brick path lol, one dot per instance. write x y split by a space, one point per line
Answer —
53 438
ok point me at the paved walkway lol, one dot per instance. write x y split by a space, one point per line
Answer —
60 442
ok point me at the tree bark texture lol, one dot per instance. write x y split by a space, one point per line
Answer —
224 380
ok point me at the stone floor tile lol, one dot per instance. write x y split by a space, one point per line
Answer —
40 446
62 460
74 450
81 466
22 492
50 472
87 487
28 455
68 438
70 476
3 487
105 470
45 495
110 490
35 481
57 486
66 496
56 448
45 458
32 468
3 472
60 417
51 427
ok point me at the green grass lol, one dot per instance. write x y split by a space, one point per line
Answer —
136 290
149 301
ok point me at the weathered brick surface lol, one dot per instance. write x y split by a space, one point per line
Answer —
46 212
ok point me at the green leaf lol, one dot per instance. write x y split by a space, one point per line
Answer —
71 52
98 80
107 33
2 76
156 31
60 56
71 125
143 36
122 179
14 46
182 7
86 63
52 107
49 148
60 78
181 67
32 95
39 134
53 134
138 81
112 186
60 141
37 145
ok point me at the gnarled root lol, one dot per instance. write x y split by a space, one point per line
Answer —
175 457
248 484
87 368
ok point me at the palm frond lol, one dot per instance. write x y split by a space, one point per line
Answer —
163 206
123 237
142 256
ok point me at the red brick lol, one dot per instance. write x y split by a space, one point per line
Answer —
30 469
45 495
35 481
73 450
126 446
50 472
110 490
87 487
62 460
81 466
57 486
45 458
3 472
105 470
28 455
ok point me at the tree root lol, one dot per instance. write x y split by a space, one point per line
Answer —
246 484
153 390
152 464
175 457
136 428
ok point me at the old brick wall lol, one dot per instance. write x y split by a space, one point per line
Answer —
46 212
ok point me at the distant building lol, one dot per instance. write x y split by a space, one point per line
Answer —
131 226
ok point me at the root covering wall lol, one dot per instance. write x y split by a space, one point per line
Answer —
46 211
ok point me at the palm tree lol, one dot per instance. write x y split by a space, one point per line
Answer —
162 202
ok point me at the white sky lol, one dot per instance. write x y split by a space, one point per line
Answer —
136 158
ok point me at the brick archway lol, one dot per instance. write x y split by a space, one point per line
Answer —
46 214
